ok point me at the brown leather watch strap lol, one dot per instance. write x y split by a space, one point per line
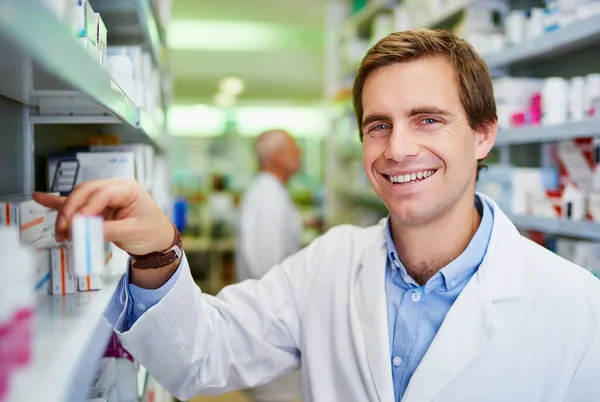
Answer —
159 259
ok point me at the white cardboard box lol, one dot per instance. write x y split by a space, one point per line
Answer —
66 171
63 277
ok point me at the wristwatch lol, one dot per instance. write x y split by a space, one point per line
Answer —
159 259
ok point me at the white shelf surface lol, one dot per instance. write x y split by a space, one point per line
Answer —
70 336
552 44
560 227
31 35
534 134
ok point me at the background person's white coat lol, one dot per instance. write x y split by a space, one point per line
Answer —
270 227
270 230
525 328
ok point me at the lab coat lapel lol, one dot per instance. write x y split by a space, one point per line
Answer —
469 324
370 299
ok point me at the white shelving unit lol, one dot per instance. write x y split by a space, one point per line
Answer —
443 15
41 60
549 45
71 333
537 134
558 227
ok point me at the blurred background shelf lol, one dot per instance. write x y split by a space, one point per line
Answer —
551 44
33 37
559 227
535 134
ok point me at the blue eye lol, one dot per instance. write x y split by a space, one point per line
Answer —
430 120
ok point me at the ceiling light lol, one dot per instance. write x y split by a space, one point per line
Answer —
224 99
232 85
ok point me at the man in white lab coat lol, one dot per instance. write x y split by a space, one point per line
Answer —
269 231
442 301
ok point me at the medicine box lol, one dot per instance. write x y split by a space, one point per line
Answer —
24 213
63 277
85 24
576 162
90 282
67 170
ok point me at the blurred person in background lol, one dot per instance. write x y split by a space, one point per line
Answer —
270 229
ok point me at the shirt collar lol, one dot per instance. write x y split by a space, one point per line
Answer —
464 265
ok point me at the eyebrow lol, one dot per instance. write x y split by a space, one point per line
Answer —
373 118
429 110
368 119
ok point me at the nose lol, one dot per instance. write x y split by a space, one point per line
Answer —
401 143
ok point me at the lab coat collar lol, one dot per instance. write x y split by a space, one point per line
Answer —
468 326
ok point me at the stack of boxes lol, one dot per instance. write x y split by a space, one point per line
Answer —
91 31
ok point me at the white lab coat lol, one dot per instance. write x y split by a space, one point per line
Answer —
269 231
270 227
525 328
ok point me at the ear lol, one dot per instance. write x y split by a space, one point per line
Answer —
485 138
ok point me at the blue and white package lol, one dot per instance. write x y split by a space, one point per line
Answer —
87 235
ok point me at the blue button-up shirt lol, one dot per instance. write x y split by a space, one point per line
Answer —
415 313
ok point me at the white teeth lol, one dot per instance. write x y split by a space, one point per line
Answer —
411 177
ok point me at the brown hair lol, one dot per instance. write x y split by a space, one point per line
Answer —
475 85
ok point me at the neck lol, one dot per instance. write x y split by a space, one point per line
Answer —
278 173
427 248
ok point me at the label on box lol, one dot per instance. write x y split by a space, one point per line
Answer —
63 279
90 282
576 162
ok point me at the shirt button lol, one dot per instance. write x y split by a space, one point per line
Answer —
141 306
397 361
416 296
397 263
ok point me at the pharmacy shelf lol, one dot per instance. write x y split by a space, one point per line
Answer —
131 22
444 15
361 18
33 39
70 336
558 227
552 44
535 134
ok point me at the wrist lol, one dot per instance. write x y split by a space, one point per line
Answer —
153 278
163 258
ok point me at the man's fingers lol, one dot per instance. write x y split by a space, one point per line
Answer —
49 200
97 202
114 193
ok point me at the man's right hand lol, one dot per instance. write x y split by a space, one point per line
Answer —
133 221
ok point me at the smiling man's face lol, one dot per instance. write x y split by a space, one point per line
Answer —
419 152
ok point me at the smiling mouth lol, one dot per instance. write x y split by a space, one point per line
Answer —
411 177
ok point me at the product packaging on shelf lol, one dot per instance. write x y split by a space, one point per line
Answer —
573 204
101 39
64 281
576 162
24 213
144 160
85 20
130 79
87 234
593 205
65 171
